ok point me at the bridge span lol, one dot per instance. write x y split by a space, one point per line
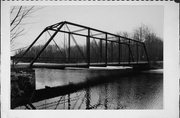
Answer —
74 45
82 47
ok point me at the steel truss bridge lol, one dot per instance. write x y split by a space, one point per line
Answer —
94 48
74 45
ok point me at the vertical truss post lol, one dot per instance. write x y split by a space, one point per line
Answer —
50 39
129 59
88 48
106 50
100 50
69 46
112 51
146 52
137 52
130 53
65 48
75 42
119 56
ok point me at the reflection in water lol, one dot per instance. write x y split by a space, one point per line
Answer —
142 91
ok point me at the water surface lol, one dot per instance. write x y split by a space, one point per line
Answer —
138 91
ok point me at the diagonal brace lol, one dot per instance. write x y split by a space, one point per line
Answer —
45 45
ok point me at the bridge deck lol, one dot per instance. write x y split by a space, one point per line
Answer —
80 65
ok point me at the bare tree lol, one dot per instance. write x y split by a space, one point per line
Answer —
154 44
19 17
124 34
141 33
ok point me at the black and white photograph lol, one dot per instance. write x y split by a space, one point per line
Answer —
86 57
109 59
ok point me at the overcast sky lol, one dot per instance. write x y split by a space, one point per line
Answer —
112 19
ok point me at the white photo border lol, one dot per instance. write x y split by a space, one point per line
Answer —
171 66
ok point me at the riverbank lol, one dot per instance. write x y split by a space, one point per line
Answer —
156 64
22 84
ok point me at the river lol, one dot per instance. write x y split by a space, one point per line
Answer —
135 91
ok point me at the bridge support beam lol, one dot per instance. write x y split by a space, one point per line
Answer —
146 52
112 52
129 58
137 52
32 44
130 52
119 56
51 38
106 50
104 53
69 46
101 56
88 48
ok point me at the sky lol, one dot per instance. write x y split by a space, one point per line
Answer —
113 19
